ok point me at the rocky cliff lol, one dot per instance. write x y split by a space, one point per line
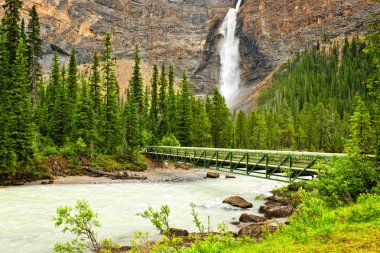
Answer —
186 32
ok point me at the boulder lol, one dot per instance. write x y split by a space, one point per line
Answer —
47 182
277 211
255 231
213 175
245 217
178 232
230 176
238 202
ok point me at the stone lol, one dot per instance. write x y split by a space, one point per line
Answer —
255 231
47 182
230 176
178 232
245 217
212 175
238 202
278 211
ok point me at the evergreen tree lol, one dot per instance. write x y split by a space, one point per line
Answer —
184 117
96 86
163 85
132 128
111 123
361 134
11 27
84 118
221 126
201 126
72 90
136 83
241 131
171 102
34 52
154 104
21 125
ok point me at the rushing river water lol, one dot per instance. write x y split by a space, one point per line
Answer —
26 212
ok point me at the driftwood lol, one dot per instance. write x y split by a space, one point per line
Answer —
120 175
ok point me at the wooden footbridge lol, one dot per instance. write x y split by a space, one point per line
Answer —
286 166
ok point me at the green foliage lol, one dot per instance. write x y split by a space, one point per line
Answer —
160 219
196 220
34 52
170 140
344 179
80 221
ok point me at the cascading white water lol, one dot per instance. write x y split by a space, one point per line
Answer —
230 57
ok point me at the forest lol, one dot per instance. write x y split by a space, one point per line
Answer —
321 100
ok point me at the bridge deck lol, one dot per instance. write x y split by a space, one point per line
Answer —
276 165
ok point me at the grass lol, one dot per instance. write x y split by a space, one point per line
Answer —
355 228
344 238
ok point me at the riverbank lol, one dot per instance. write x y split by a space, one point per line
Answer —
152 175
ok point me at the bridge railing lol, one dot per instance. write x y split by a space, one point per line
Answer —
277 165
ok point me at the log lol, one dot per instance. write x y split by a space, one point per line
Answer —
114 176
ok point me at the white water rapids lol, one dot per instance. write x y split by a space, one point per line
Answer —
230 57
26 212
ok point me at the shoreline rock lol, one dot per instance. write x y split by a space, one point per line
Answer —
238 201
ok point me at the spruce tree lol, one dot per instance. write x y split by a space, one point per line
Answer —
201 127
221 125
84 118
171 102
154 104
34 52
11 28
184 116
21 125
72 90
111 123
96 86
163 85
136 83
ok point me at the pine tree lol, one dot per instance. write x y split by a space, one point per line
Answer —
171 102
34 52
221 126
11 27
136 83
361 133
132 128
154 103
163 85
84 118
111 123
241 130
201 126
72 90
184 116
21 125
96 86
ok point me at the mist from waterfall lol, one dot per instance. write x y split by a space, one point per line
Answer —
230 57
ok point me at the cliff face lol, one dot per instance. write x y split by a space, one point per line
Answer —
186 32
172 30
275 29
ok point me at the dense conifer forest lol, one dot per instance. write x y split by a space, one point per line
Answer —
320 100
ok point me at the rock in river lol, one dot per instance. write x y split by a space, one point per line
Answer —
245 217
238 202
213 175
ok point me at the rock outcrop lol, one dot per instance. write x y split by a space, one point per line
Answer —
238 202
186 32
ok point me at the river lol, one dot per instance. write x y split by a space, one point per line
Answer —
26 212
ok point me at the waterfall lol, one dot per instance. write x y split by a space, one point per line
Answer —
230 57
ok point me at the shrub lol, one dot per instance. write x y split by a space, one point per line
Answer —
160 219
81 221
344 179
170 140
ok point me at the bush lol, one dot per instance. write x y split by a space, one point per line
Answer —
344 179
160 219
170 140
